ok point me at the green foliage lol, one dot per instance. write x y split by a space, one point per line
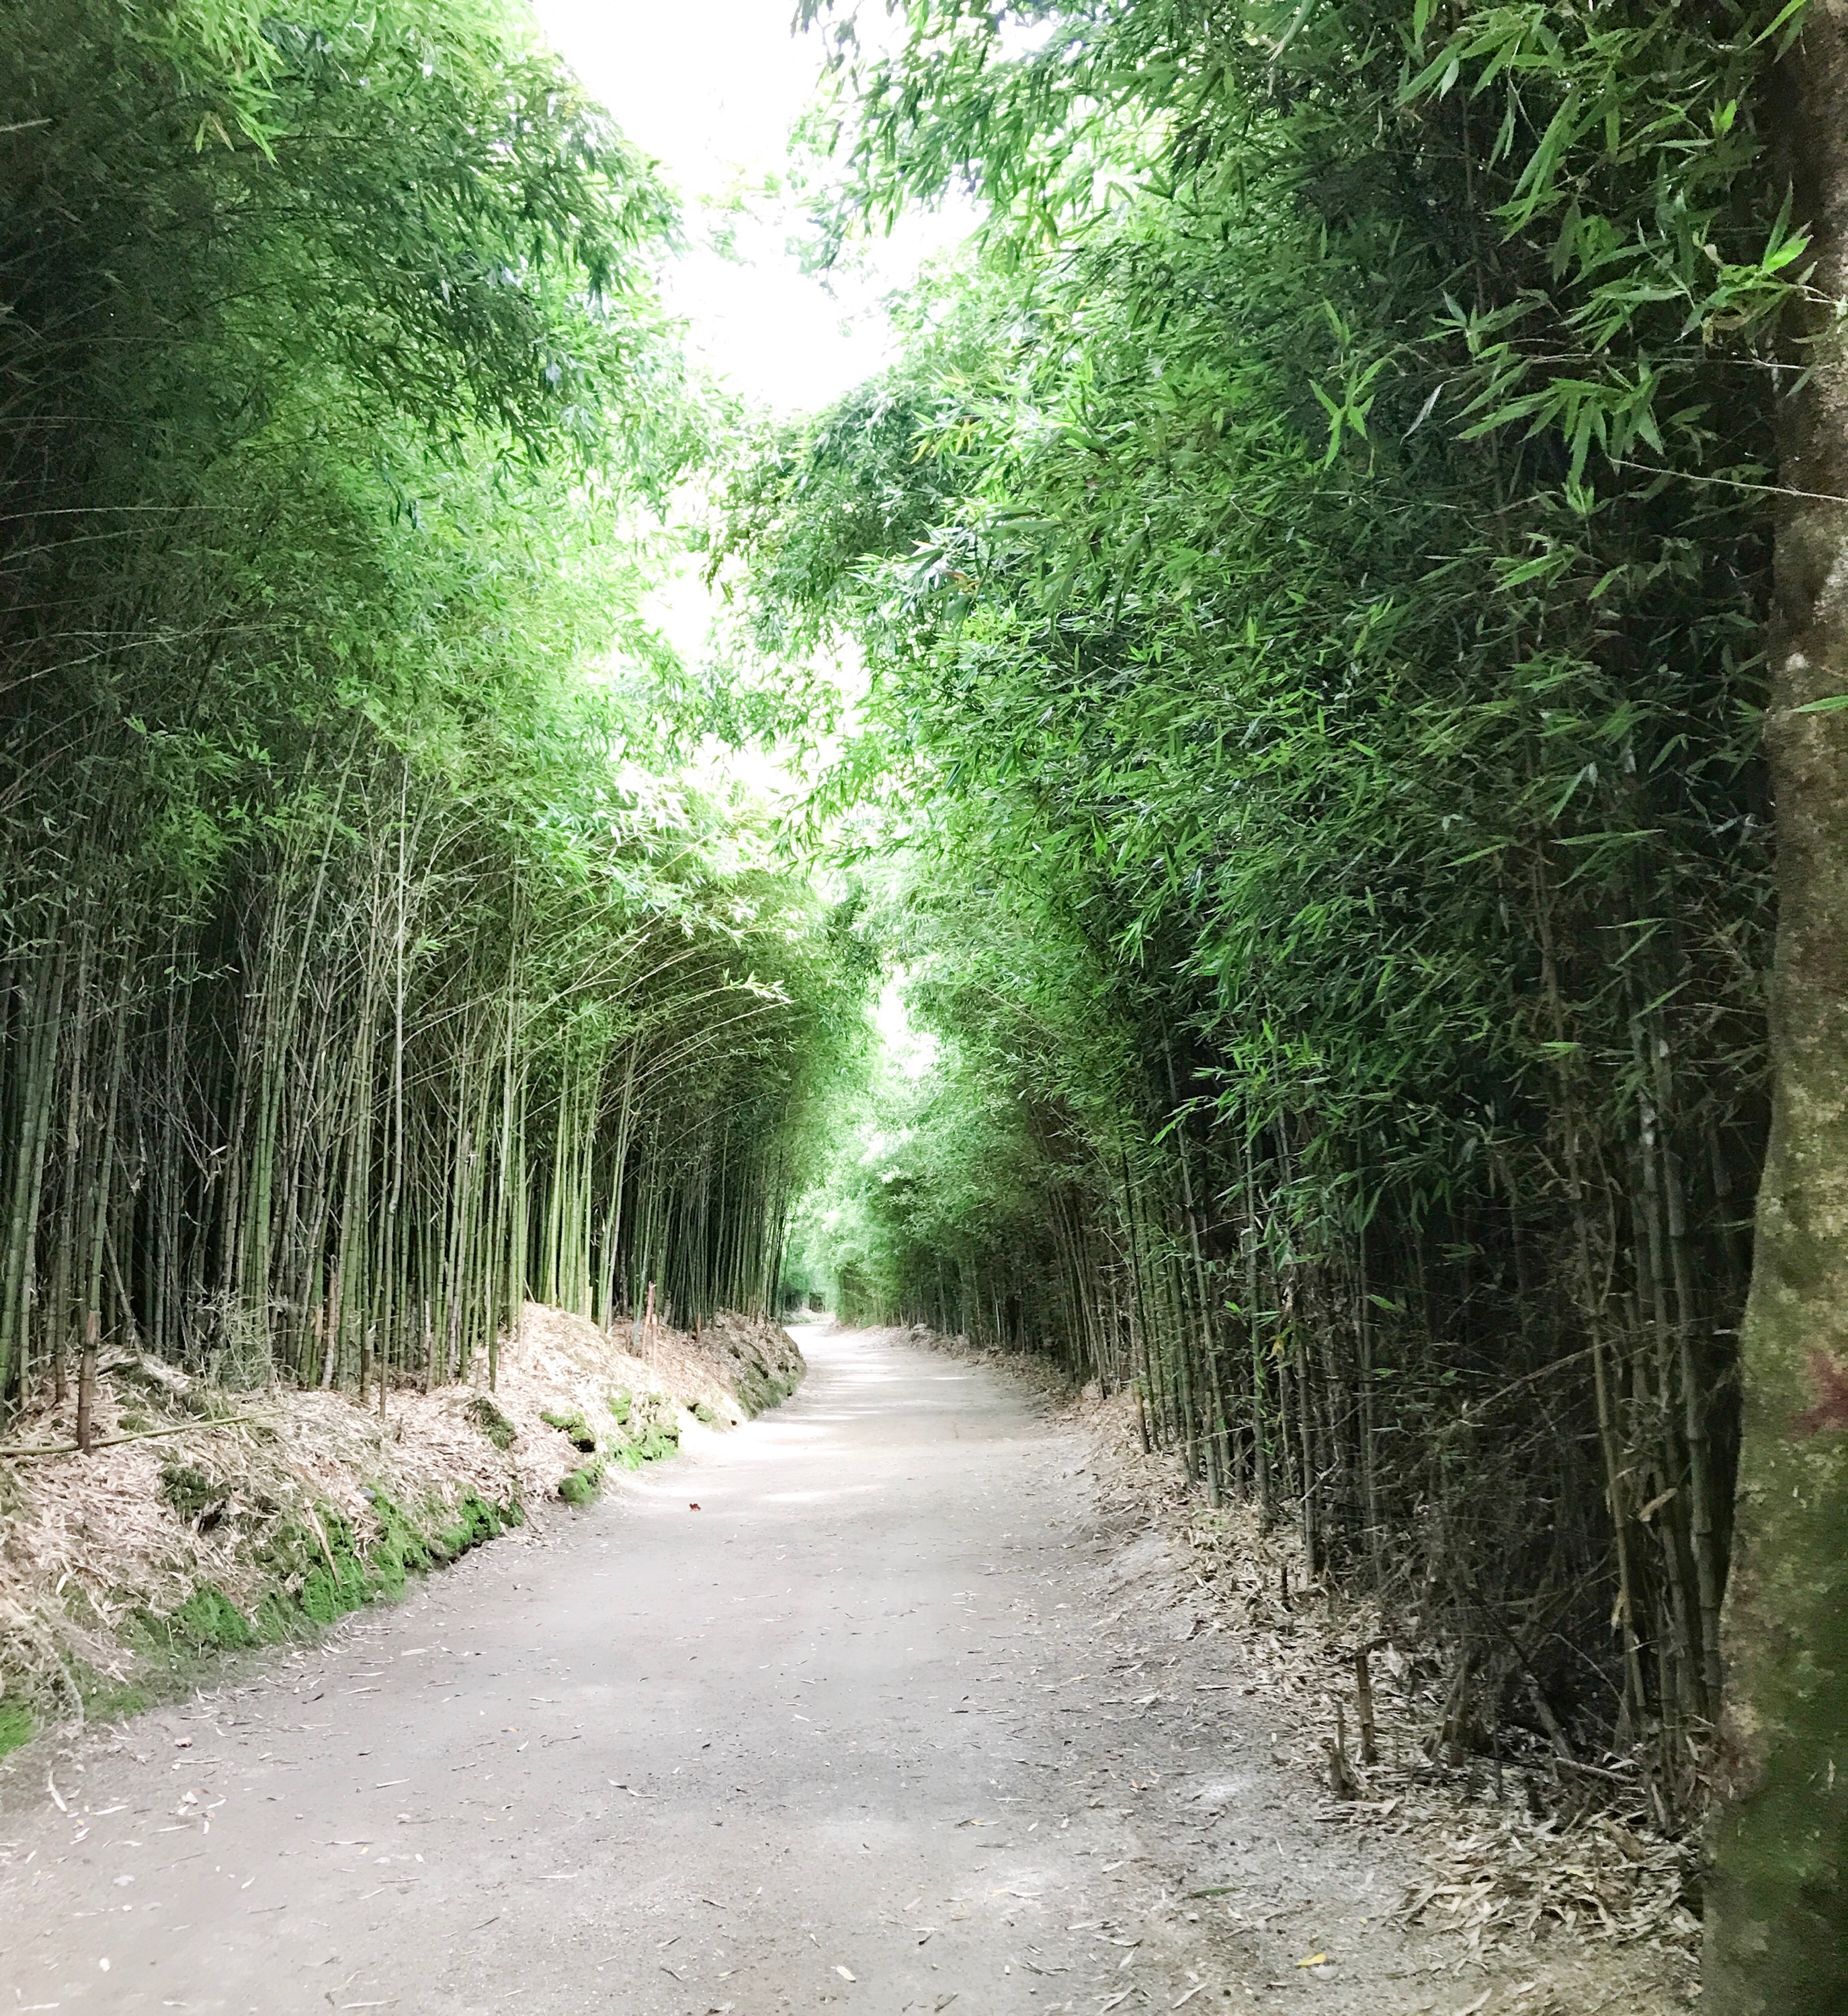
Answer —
937 1171
351 899
1312 648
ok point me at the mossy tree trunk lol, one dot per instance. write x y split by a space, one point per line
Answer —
1778 1903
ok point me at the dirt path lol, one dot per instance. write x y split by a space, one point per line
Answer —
819 1742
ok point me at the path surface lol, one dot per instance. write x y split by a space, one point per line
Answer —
871 1727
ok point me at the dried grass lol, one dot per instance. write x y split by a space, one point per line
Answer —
1515 1844
88 1544
1514 1847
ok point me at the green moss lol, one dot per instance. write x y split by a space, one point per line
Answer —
658 1439
208 1620
106 1700
701 1412
191 1492
622 1402
570 1421
320 1583
653 1430
400 1551
579 1486
16 1726
492 1423
759 1389
318 1571
280 1619
317 1563
474 1521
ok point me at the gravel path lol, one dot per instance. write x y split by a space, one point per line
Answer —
890 1721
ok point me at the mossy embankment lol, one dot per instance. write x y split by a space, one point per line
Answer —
206 1523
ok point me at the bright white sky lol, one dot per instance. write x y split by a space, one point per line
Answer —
712 87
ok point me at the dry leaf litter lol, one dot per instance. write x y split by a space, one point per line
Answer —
1514 1850
92 1546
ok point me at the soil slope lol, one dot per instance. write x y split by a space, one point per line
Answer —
208 1519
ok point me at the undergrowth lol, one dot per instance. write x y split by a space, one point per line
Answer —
318 1569
647 1430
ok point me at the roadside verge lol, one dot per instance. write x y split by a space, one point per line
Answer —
1536 1867
204 1520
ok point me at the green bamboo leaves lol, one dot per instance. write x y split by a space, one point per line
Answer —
1312 654
364 969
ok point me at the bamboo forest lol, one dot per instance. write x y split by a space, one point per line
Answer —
1207 820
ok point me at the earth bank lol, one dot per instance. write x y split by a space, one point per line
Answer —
207 1519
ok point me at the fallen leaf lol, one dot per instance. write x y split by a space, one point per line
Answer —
1321 1959
844 1974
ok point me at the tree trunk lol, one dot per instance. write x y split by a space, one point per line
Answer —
1777 1915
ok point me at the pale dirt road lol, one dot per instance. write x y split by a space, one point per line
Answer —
888 1723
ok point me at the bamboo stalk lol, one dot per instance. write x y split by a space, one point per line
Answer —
19 1454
